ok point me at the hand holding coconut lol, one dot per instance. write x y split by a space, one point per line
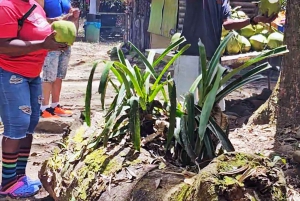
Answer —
264 19
52 45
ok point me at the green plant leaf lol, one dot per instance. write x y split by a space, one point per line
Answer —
151 56
168 50
202 60
221 135
185 138
190 107
172 112
209 145
88 95
149 67
195 84
103 82
121 55
215 60
277 51
125 82
133 80
158 88
114 85
235 85
134 122
208 104
157 81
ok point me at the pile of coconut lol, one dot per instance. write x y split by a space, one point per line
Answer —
254 37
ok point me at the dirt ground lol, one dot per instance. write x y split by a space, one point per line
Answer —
258 139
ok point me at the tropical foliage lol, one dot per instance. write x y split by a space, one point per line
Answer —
194 128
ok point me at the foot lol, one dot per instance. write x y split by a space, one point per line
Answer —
49 113
20 189
58 110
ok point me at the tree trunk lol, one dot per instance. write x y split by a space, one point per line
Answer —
289 88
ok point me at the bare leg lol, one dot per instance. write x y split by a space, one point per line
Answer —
56 89
47 88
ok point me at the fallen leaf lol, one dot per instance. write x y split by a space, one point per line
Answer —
162 166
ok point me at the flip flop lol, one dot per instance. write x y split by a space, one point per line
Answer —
29 181
20 190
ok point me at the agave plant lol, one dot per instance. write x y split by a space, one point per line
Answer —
198 130
136 96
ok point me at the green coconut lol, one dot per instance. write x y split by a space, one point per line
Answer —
259 28
65 31
265 32
247 31
224 32
245 44
239 15
234 44
270 7
275 40
258 42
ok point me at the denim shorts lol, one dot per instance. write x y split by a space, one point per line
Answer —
56 65
20 101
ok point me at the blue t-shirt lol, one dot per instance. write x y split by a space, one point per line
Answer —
56 8
204 20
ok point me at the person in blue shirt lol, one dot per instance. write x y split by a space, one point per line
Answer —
56 63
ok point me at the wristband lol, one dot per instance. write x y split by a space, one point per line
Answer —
252 21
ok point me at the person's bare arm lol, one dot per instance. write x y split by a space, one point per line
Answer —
16 47
68 16
235 24
230 24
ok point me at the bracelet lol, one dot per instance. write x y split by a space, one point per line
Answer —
252 21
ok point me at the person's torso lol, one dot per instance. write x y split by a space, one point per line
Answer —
203 20
56 8
35 28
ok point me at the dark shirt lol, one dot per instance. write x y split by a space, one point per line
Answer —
204 20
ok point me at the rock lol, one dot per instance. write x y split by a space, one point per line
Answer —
54 125
296 156
287 149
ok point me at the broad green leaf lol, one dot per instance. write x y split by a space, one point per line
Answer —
125 82
134 122
172 112
195 84
138 76
277 51
215 60
235 85
154 93
157 81
151 56
209 145
133 80
208 104
185 139
168 50
88 96
121 55
190 107
103 82
202 60
220 134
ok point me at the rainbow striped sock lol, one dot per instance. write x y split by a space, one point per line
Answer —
22 161
9 164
